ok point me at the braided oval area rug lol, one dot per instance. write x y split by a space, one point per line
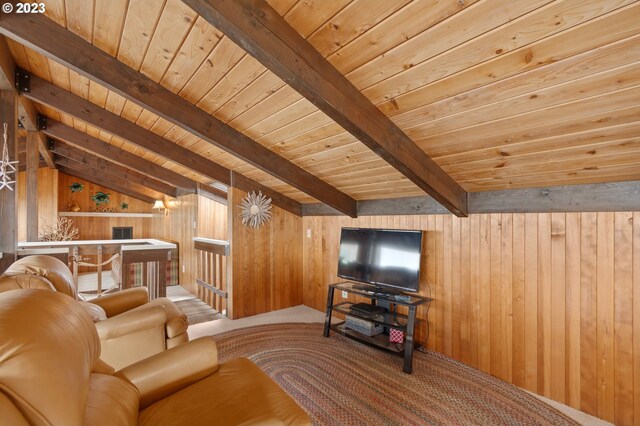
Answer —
341 382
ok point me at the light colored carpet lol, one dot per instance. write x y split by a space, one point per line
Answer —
296 314
197 311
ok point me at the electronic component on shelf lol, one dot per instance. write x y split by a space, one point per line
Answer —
361 326
367 309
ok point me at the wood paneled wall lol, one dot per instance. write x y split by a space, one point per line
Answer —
47 200
548 302
191 216
212 219
179 226
266 262
99 228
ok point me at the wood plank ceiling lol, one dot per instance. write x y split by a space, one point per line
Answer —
501 94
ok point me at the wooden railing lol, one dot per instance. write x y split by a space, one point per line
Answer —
153 254
100 255
211 271
154 268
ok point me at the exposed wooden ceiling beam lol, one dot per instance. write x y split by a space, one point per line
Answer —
598 197
110 168
57 98
49 94
54 41
263 33
212 193
62 132
105 183
27 113
7 67
117 182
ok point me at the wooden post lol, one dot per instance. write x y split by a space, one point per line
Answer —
232 198
33 162
8 198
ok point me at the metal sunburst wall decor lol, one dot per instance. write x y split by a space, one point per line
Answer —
255 209
7 167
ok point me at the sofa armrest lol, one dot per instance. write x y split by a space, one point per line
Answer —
122 301
130 322
172 370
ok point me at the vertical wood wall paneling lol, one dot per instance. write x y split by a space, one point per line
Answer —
484 304
99 228
544 301
211 223
47 200
573 306
518 302
605 311
636 315
530 330
266 262
544 304
558 300
623 318
191 216
495 287
588 312
179 226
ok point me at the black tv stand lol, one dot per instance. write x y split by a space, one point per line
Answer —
389 319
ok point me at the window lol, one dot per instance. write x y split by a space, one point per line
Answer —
122 233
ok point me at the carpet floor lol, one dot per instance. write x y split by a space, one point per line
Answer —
341 382
197 311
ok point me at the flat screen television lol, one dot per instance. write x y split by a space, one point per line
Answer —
388 259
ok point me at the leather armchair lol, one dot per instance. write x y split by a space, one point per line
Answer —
130 326
50 373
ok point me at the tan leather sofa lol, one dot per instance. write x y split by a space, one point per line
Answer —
50 374
130 326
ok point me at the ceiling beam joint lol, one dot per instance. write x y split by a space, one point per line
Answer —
42 122
23 81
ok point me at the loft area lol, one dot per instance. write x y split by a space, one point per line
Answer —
208 156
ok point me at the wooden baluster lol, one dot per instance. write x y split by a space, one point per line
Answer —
218 283
212 295
99 262
124 270
145 276
153 278
201 291
162 276
223 282
75 255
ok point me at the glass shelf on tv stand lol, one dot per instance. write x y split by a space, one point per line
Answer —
378 293
386 319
